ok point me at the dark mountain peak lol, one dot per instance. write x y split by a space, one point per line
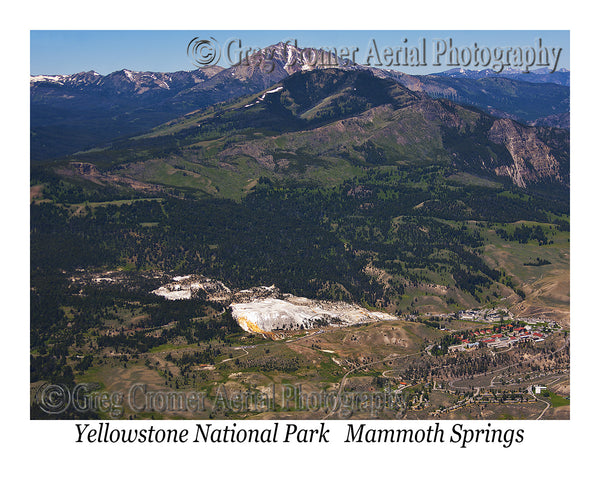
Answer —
310 98
351 88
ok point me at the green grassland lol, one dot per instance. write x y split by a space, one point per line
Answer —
557 400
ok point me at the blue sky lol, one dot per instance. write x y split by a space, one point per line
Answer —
105 51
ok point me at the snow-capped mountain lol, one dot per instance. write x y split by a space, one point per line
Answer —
124 81
82 78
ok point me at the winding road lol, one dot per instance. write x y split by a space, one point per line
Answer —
394 356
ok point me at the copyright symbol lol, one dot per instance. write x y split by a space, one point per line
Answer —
204 52
53 399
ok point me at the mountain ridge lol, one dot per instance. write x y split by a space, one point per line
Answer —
323 120
75 112
561 76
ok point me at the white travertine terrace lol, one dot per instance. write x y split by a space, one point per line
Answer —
292 313
264 309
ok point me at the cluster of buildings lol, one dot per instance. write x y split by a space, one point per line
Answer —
489 315
503 336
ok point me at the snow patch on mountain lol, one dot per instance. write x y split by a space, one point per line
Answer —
48 78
